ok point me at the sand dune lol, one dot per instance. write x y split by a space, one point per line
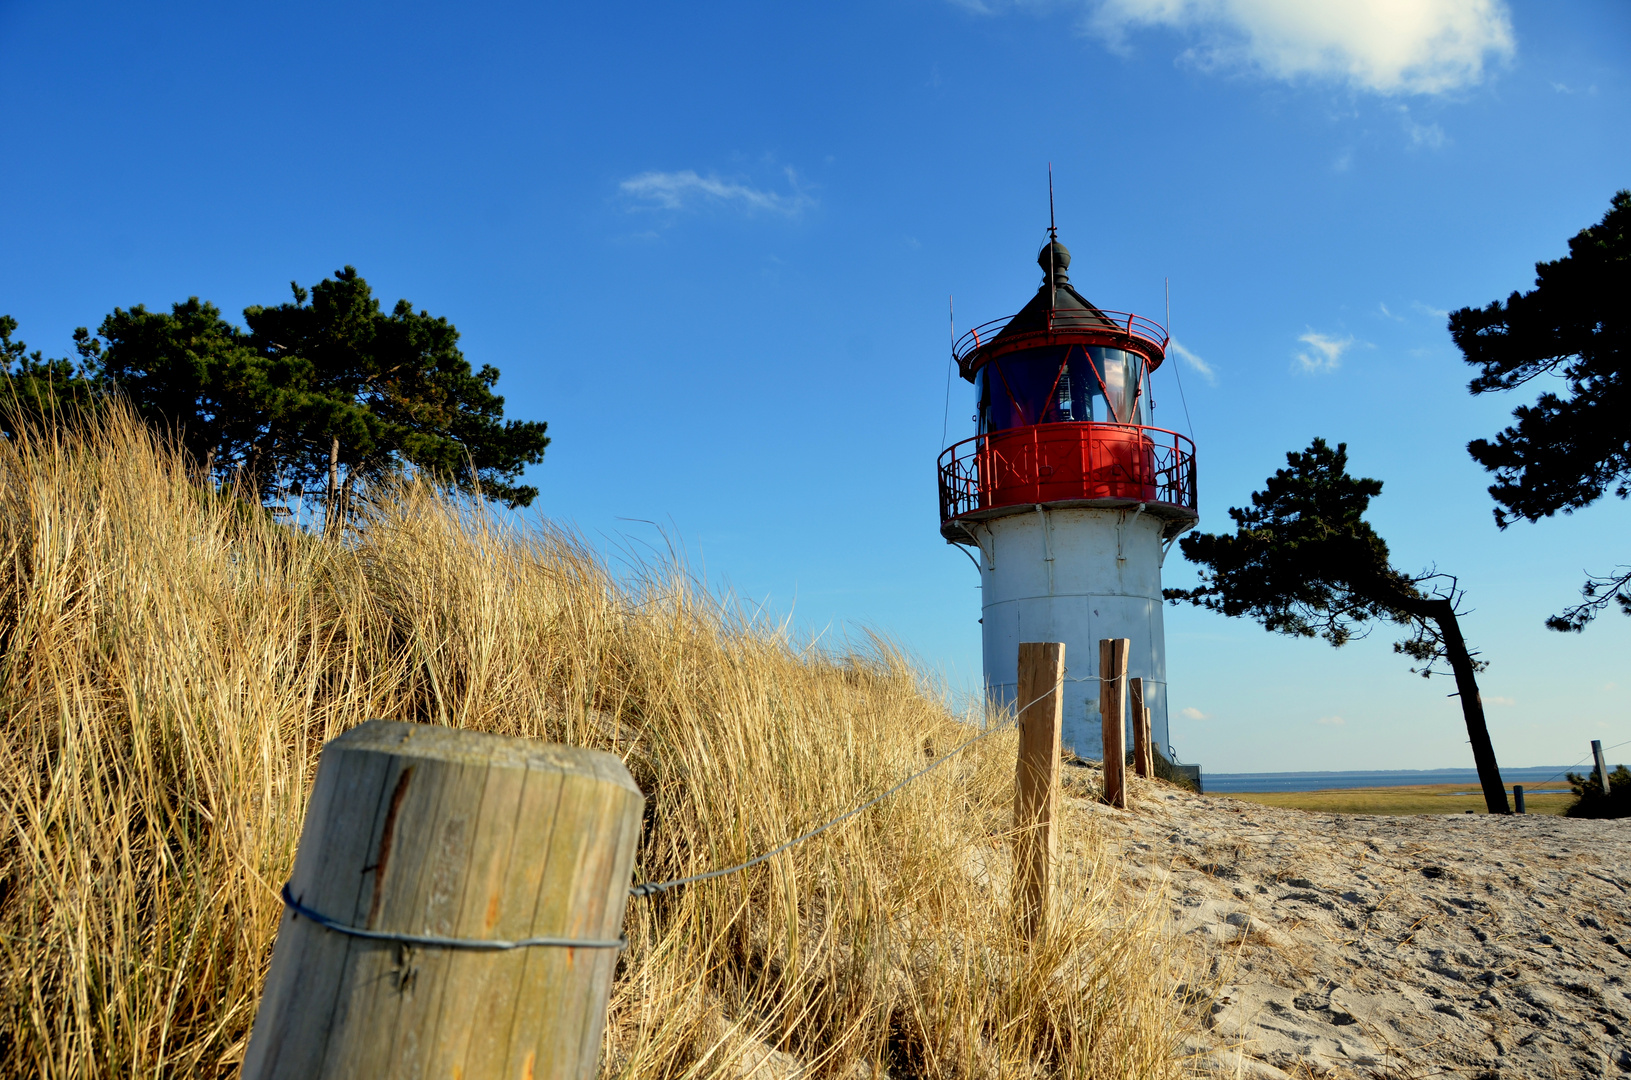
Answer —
1349 945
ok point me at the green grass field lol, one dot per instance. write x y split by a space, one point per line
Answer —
1419 799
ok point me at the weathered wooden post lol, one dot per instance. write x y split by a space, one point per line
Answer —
1601 764
1113 717
490 875
1143 762
1517 796
1149 744
1036 782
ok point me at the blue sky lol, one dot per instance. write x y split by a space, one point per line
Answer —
713 244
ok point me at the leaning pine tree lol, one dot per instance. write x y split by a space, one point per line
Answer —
1303 561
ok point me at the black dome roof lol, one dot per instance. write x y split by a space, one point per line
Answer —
1056 295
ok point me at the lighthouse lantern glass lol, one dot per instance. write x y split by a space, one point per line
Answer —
1059 384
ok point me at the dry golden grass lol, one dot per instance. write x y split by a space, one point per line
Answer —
170 664
1408 799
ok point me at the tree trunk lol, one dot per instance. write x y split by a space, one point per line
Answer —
1472 706
331 502
345 495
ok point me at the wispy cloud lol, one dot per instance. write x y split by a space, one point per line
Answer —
689 190
1331 721
1382 46
1496 699
1324 353
1430 136
1388 314
1202 368
1437 313
1189 712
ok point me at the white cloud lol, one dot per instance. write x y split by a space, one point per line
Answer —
1437 313
1189 712
1496 699
1324 353
1201 366
1389 314
1331 721
686 190
1384 46
1428 135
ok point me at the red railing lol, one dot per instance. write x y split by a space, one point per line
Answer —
1073 460
1066 321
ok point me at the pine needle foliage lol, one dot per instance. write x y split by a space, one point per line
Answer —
1591 801
1567 450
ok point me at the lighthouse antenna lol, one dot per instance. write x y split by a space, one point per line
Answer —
1053 233
1177 374
951 327
1053 256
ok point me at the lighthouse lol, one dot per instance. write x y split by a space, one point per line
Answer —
1068 497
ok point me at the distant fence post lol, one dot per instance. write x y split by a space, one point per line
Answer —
1602 765
1113 719
1517 796
428 831
1036 781
1143 762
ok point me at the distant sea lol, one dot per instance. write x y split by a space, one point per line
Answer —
1320 781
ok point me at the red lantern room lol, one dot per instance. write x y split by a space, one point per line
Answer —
1063 406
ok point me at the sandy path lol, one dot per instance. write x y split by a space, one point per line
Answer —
1350 945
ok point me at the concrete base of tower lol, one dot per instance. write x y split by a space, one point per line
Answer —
1077 576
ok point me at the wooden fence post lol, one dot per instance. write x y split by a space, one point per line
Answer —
1036 782
1517 796
1143 763
429 831
1113 717
1149 745
1601 764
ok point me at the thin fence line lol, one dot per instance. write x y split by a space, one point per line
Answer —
1565 772
437 941
1582 761
651 888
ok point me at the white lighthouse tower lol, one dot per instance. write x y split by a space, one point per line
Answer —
1070 494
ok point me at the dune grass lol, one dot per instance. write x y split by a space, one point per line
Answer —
171 662
1406 799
